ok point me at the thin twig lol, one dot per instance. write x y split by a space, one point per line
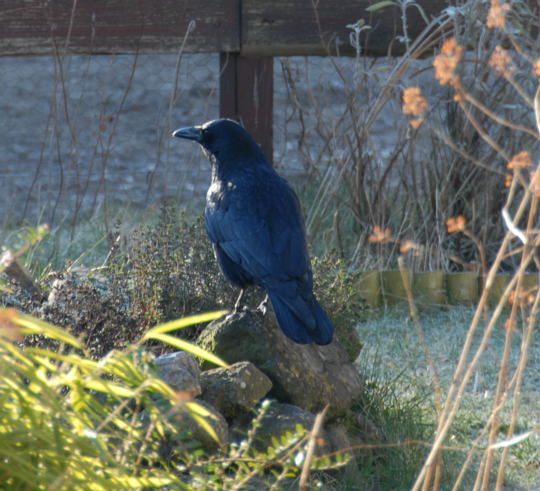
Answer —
310 452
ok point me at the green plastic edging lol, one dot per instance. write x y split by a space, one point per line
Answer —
429 288
369 287
392 287
433 288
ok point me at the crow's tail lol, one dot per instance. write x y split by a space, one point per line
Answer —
302 320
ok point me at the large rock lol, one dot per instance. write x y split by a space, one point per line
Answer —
184 422
278 420
199 433
308 376
236 389
180 371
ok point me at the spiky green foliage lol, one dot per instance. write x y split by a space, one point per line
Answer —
69 422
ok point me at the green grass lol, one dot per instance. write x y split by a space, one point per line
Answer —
86 243
394 360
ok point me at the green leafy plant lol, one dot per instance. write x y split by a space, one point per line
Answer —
168 270
335 285
69 422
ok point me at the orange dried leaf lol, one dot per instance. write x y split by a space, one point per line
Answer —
520 161
183 396
379 235
8 329
456 224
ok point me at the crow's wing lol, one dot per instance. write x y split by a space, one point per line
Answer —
257 222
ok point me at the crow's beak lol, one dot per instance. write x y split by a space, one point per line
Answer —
190 133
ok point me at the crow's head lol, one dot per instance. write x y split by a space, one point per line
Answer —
225 139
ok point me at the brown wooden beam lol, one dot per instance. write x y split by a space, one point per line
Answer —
319 27
250 27
246 95
37 27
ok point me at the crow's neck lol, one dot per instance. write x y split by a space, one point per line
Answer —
225 169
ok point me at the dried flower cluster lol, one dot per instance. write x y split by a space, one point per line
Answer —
497 14
380 235
456 224
414 104
501 62
408 245
536 67
510 324
446 63
520 161
526 297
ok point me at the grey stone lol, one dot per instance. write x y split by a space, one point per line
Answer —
337 440
278 420
235 389
181 371
309 376
182 419
218 424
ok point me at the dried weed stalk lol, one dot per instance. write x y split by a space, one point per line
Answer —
518 307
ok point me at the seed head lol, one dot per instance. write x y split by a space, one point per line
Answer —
407 246
446 63
535 182
497 14
414 104
501 62
536 67
456 224
380 235
520 161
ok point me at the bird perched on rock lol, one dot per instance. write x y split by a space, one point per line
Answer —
255 224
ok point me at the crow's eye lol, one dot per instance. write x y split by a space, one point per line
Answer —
207 136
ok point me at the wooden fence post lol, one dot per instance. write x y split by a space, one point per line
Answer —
246 94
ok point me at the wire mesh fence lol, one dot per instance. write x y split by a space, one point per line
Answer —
92 133
85 132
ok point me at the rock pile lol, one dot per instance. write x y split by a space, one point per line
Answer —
299 379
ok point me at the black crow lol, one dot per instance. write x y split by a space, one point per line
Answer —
254 221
